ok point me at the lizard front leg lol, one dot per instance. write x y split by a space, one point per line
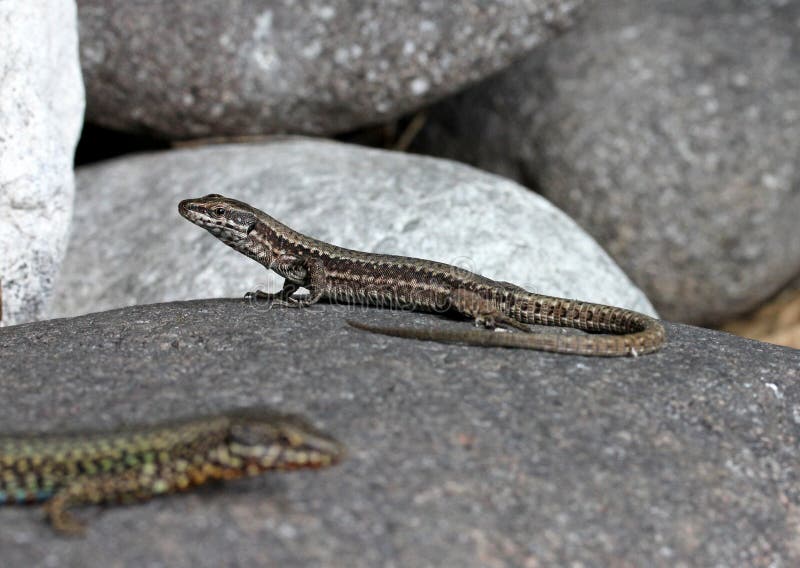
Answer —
282 298
297 272
315 283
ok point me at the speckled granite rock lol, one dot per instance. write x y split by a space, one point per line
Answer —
458 456
41 111
670 131
133 247
205 68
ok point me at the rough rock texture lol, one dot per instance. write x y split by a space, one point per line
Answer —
458 456
670 131
131 246
794 283
207 68
41 111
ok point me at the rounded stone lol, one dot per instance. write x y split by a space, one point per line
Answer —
205 68
669 131
41 112
132 246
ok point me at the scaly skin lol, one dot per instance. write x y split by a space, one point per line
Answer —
138 464
349 276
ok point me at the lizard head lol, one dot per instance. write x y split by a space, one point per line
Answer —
227 219
264 439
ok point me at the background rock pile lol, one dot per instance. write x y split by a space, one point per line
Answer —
669 131
534 141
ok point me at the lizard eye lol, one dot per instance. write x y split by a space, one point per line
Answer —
219 211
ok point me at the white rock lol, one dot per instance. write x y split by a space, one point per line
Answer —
41 112
133 247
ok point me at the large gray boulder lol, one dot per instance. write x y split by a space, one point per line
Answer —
458 456
131 246
41 112
670 131
207 68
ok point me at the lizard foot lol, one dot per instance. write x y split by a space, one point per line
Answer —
277 299
497 319
62 520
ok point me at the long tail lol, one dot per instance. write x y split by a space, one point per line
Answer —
634 333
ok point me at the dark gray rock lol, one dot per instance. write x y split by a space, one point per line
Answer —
794 283
41 112
131 246
204 68
670 131
458 456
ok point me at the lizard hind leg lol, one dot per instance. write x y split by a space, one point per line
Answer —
491 320
484 312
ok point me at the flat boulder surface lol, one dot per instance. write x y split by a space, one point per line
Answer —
459 456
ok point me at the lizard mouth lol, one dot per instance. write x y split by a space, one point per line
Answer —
190 211
219 228
183 208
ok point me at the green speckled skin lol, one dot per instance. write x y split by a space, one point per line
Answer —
138 464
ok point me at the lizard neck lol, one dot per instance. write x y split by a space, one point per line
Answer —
270 239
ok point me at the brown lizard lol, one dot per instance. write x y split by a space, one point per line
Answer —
348 276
